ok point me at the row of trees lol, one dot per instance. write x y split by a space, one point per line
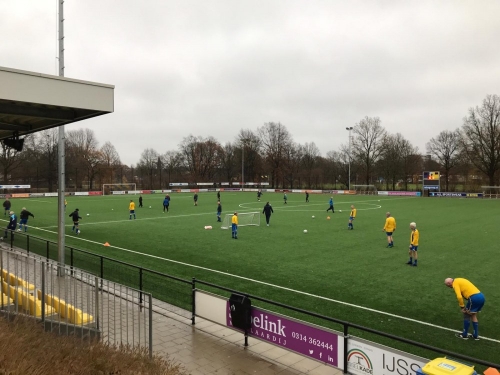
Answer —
269 154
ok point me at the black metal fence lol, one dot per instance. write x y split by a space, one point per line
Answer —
179 293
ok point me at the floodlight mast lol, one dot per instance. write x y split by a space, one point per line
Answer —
61 157
349 128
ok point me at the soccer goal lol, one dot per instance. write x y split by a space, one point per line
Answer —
491 191
365 189
244 219
108 189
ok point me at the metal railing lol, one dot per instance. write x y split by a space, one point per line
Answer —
71 301
180 294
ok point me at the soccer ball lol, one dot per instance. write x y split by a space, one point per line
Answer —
313 217
88 214
149 206
340 210
305 230
328 218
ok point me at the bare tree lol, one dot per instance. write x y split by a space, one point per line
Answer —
292 163
200 156
275 140
446 149
83 150
148 164
368 144
228 165
389 163
481 137
310 155
172 161
110 159
248 146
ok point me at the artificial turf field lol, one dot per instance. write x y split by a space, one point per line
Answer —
349 275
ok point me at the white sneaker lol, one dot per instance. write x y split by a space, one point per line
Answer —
18 230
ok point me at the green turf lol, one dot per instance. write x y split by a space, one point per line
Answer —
458 238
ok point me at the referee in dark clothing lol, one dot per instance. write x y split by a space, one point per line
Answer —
268 210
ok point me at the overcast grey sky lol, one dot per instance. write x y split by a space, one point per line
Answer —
211 68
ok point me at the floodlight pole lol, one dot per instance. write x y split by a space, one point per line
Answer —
242 165
61 157
349 129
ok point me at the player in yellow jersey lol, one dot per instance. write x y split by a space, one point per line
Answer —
389 228
131 208
412 252
475 301
352 216
234 226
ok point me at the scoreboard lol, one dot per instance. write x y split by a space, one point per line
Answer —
431 180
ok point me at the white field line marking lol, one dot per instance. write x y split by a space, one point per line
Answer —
245 205
128 220
279 287
158 197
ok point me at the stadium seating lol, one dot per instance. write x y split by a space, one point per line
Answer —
23 290
67 311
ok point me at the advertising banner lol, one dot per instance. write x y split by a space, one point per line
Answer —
368 358
178 184
114 192
22 195
455 195
82 193
51 194
37 194
95 192
205 183
382 193
308 340
224 183
404 193
15 186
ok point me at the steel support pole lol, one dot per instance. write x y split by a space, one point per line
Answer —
61 156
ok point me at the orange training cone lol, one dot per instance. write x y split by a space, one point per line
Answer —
106 244
491 371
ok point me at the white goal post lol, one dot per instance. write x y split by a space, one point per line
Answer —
491 191
108 189
365 189
244 219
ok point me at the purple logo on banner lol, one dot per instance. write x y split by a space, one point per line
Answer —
299 337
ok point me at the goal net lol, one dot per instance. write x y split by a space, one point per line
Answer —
365 189
244 219
109 189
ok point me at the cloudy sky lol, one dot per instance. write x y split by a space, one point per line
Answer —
213 67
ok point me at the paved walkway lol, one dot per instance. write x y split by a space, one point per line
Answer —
208 348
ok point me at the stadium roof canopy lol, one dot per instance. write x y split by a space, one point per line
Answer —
30 102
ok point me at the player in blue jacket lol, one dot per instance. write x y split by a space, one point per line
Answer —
331 205
166 203
11 227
